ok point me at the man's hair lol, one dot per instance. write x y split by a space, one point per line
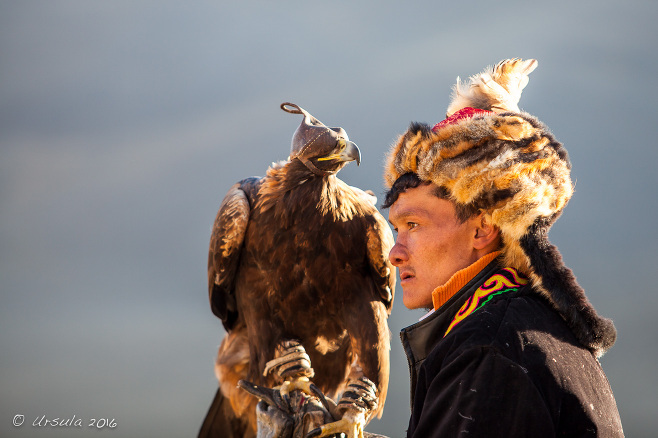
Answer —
410 181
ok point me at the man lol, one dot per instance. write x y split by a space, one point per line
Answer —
510 346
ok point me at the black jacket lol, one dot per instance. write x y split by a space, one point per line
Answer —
509 366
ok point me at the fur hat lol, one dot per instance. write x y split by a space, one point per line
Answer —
491 156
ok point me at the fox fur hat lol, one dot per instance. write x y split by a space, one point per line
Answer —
493 158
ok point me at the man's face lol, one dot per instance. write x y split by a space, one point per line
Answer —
431 243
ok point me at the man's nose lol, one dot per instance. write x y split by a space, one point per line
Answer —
398 254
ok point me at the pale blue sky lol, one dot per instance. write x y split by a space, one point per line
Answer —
124 123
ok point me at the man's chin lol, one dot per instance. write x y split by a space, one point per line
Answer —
412 301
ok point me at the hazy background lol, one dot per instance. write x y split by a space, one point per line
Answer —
124 123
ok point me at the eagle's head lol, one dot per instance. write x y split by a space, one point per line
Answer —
323 150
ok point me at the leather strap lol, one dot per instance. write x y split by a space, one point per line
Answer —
319 172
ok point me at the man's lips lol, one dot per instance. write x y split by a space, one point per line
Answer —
406 275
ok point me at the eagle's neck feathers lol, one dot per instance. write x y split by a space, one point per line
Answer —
291 189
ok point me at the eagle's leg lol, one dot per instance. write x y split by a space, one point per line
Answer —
292 365
356 405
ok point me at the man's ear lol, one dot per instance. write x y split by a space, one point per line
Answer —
486 234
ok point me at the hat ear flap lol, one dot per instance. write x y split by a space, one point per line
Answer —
555 280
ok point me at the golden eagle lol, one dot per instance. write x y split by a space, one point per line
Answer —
299 255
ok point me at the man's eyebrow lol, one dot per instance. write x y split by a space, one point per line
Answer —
418 212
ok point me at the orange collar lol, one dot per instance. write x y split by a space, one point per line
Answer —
459 279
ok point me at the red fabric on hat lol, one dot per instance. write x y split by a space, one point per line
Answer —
464 113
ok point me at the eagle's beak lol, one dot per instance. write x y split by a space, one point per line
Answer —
351 153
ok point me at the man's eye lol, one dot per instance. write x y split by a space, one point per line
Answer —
411 225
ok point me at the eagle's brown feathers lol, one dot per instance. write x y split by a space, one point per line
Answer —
299 254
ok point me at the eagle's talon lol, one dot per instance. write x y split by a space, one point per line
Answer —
301 383
350 425
314 433
328 403
356 405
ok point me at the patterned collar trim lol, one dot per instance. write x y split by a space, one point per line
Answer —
505 280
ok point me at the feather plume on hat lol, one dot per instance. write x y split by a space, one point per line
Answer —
496 88
491 156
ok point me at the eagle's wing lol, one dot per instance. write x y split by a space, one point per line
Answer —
366 320
380 242
226 244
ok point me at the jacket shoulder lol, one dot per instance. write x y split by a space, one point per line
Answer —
522 330
506 316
